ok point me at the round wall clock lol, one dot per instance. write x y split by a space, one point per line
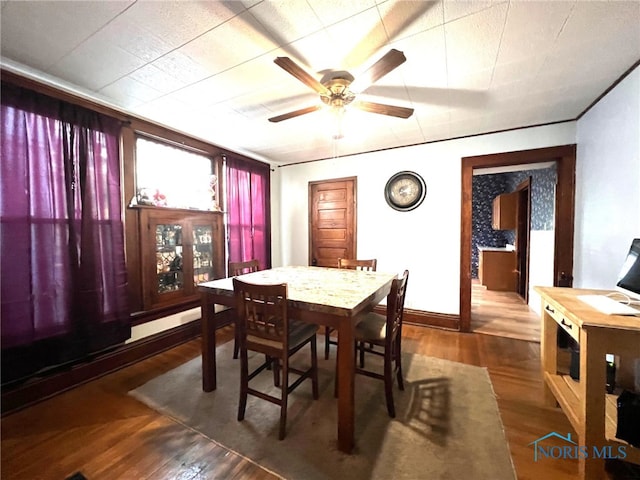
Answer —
405 191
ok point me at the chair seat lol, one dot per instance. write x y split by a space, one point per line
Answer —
372 327
299 333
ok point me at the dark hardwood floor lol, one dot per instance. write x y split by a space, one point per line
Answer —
99 430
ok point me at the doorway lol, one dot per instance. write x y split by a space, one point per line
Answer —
502 206
565 157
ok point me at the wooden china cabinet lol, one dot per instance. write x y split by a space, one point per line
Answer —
178 249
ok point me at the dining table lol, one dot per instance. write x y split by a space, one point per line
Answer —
319 295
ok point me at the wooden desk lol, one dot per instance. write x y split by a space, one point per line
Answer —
590 410
324 296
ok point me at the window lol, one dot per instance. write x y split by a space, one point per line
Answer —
168 176
63 283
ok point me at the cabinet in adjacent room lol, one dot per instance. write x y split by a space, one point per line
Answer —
504 211
497 268
179 249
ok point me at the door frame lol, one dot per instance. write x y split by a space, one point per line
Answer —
523 229
565 158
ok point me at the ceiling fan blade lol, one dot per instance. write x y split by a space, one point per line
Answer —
292 68
383 109
397 20
295 113
450 97
393 59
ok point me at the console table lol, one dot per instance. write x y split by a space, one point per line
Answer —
590 410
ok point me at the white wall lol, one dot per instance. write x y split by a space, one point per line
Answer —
541 256
425 240
607 185
276 219
147 329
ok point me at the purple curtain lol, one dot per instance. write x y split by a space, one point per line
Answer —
64 284
248 219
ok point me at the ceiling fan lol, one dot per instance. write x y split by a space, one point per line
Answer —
339 88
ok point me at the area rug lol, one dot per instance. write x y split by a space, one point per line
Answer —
447 423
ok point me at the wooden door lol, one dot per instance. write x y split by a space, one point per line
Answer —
332 221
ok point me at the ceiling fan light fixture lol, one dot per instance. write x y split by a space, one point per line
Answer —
338 94
337 121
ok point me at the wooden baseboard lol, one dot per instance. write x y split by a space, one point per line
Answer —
38 389
426 319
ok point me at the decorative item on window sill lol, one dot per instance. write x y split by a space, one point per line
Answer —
204 199
143 197
159 199
213 184
148 196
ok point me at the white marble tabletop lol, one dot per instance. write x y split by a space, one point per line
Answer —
331 290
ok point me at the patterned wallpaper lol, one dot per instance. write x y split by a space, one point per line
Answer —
487 187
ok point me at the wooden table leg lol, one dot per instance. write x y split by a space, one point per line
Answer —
346 394
592 384
548 354
208 343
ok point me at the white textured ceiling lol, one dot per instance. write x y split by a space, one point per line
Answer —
206 68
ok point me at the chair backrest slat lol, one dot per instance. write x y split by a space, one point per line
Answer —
240 268
353 264
262 310
395 305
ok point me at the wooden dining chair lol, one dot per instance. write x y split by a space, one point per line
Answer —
352 264
374 331
265 327
240 268
235 269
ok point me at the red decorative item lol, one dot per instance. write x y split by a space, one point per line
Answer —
159 199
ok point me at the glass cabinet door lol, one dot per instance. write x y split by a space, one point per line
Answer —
203 269
169 257
180 250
